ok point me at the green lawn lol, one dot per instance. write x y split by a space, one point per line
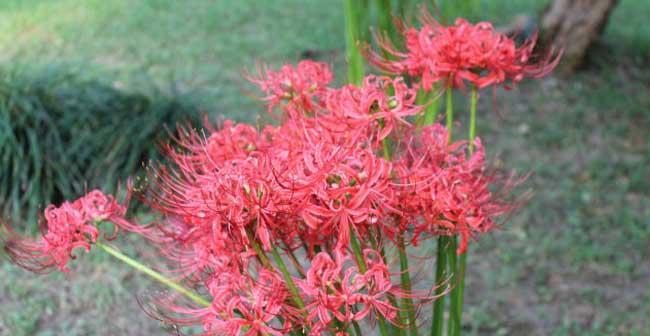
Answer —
199 46
574 261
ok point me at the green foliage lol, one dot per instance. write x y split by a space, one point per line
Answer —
62 133
353 13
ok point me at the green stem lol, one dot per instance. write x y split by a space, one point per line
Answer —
444 243
385 145
153 274
472 118
438 320
358 255
449 102
407 302
355 61
432 107
459 289
402 315
385 17
287 277
264 260
454 320
357 329
395 330
295 261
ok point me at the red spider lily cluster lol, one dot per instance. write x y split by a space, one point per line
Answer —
460 53
290 228
313 182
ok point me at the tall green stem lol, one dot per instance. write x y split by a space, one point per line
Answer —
459 269
356 328
459 290
438 320
395 330
449 102
431 101
264 260
363 267
454 318
385 17
153 274
407 315
293 289
472 118
407 302
446 252
352 12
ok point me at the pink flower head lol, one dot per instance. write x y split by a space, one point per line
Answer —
380 105
302 86
353 192
70 226
242 304
336 289
463 52
246 306
442 192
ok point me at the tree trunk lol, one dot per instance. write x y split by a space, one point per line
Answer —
574 25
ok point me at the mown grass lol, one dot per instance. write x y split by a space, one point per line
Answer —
199 45
574 261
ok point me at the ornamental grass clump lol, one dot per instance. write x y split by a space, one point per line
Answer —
311 226
61 130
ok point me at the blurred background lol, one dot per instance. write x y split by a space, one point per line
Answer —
89 87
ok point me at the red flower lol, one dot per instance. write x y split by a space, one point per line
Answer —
442 192
245 306
336 289
299 86
354 190
241 305
379 106
464 52
66 228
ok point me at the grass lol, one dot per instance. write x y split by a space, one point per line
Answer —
199 45
573 261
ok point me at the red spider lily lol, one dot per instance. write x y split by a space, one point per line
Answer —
355 190
449 191
70 226
301 86
460 53
337 291
242 304
379 100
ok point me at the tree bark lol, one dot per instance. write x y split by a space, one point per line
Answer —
574 25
